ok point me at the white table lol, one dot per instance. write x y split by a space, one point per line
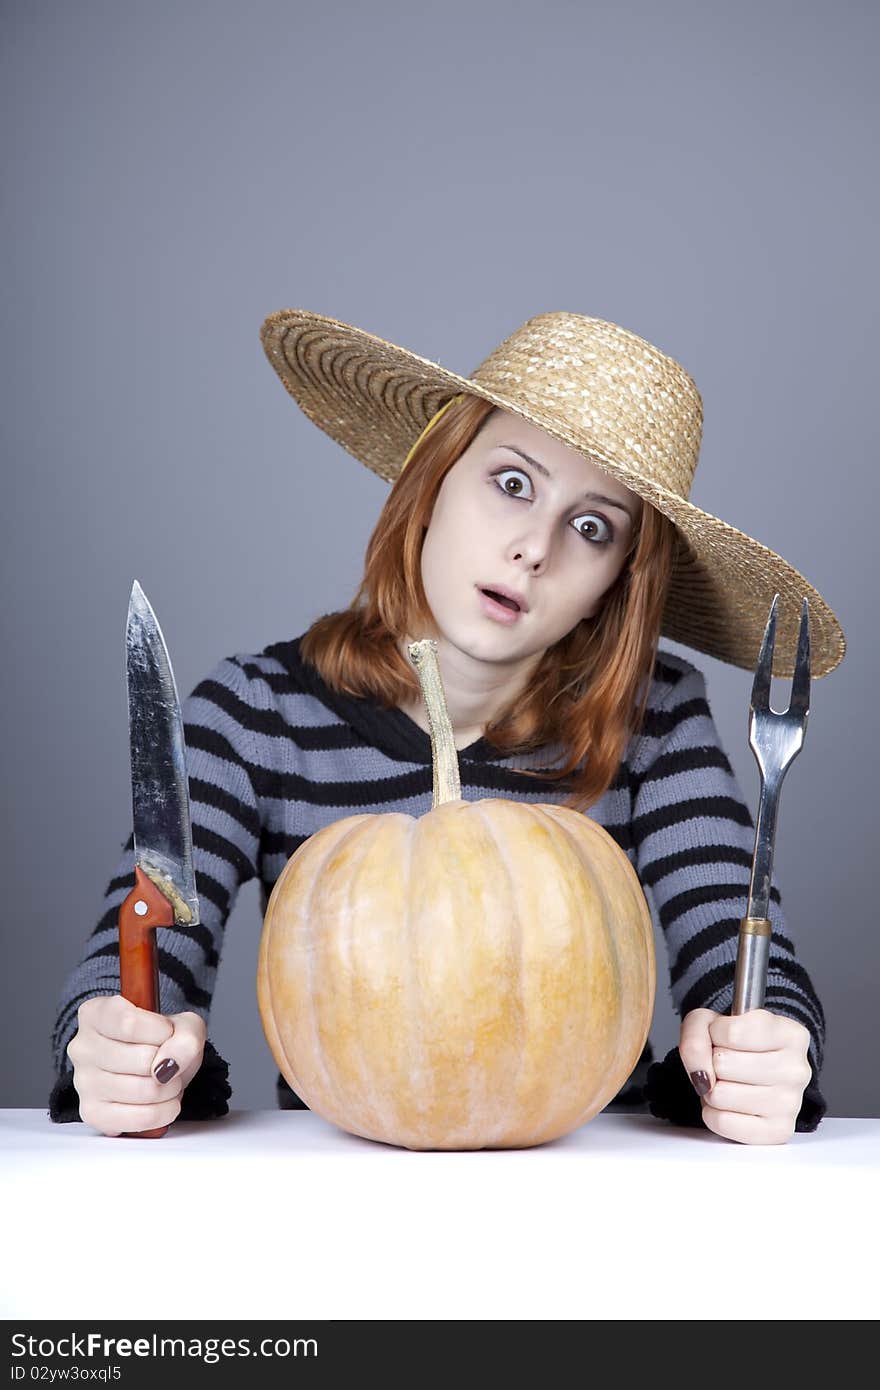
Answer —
277 1214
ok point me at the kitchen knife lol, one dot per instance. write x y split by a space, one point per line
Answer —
164 893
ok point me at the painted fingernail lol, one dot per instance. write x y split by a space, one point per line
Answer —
701 1082
166 1069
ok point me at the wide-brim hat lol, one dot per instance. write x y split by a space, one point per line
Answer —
606 393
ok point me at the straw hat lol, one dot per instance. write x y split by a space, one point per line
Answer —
604 392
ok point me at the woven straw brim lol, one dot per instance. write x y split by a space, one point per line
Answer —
374 399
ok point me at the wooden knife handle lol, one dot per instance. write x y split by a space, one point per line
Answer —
140 913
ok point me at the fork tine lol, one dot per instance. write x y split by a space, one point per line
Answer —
800 689
764 667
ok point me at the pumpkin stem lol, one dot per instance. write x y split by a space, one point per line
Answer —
444 758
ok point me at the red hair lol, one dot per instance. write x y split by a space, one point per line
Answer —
590 689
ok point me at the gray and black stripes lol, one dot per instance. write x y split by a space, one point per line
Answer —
274 755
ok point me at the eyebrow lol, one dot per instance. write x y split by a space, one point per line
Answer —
587 496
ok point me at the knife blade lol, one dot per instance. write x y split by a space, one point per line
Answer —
164 892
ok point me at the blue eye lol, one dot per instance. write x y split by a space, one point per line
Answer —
592 518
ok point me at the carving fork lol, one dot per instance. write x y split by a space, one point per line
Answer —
776 737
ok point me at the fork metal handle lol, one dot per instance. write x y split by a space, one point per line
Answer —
752 956
762 857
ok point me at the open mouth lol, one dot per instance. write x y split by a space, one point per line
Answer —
499 598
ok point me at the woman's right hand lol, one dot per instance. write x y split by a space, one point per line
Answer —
115 1053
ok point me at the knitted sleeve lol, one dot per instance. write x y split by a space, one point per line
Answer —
694 837
218 731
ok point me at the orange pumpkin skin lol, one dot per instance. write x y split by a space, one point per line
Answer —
482 976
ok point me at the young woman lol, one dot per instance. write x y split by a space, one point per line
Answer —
539 529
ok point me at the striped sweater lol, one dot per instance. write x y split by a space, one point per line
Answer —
274 754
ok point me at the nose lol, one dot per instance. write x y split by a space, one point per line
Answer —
532 548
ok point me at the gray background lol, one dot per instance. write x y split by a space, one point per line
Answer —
704 175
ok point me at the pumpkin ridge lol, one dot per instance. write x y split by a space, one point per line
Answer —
269 1015
627 869
270 936
414 1049
551 826
477 806
427 1095
367 1099
317 1049
614 939
558 814
640 901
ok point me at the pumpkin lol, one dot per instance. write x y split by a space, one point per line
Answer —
481 976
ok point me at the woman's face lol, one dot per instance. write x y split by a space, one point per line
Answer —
521 511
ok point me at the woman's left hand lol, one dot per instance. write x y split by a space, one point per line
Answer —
757 1070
